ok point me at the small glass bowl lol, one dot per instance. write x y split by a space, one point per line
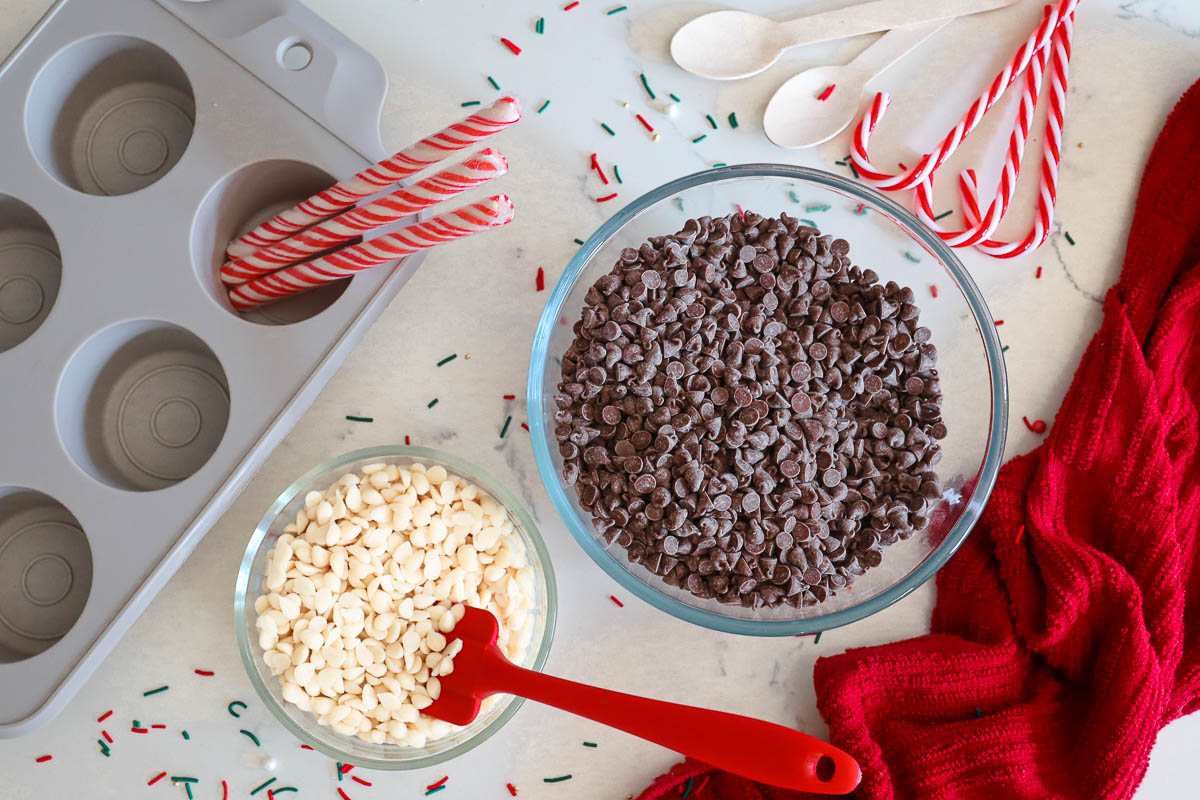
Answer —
303 724
884 237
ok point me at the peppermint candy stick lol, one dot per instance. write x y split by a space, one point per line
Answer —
472 172
390 171
297 278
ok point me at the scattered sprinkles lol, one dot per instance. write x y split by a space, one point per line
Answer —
540 282
434 791
159 727
700 138
208 673
106 736
617 174
795 197
933 289
104 716
523 425
43 759
1038 274
606 198
810 223
645 124
675 97
590 744
646 86
911 257
139 730
103 748
540 25
187 737
579 241
687 789
733 123
504 430
1004 349
543 106
261 786
181 779
432 403
438 784
251 737
715 165
823 96
155 691
351 418
817 207
711 121
516 51
511 789
470 103
609 13
510 397
860 210
569 6
448 359
360 780
599 171
999 322
156 779
492 81
343 794
1070 241
943 215
1037 426
559 779
611 132
613 597
978 713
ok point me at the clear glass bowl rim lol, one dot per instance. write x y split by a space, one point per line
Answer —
608 562
246 648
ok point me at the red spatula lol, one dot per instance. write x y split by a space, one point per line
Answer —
755 749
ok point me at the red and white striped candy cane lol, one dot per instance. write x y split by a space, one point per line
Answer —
1051 155
472 172
409 161
297 278
934 159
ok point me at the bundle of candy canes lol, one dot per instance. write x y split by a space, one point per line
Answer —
307 245
1048 48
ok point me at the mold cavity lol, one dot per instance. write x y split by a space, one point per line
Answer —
295 55
239 202
142 405
110 114
45 572
30 271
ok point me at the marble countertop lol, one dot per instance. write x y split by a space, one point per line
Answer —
1132 60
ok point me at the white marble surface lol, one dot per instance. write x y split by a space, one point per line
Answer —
1132 60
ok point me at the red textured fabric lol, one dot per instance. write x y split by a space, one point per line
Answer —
1063 636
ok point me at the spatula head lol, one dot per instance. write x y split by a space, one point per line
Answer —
463 689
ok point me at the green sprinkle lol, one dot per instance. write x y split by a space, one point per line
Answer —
943 215
817 640
559 779
540 26
978 713
700 138
253 738
611 132
688 788
646 85
137 724
617 173
853 171
103 746
675 97
711 121
495 86
616 10
1004 349
283 789
448 359
339 771
810 223
817 207
840 163
719 164
186 736
860 209
432 403
543 106
470 103
795 197
155 691
911 257
179 779
262 786
1070 241
579 241
435 790
352 418
679 202
590 744
504 430
188 787
733 120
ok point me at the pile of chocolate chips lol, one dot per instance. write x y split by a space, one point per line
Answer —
748 415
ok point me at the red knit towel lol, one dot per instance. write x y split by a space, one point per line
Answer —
1063 637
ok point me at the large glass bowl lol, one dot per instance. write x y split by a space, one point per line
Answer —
882 236
303 724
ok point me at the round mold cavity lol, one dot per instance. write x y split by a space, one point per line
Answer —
239 202
30 271
45 572
110 114
142 405
295 55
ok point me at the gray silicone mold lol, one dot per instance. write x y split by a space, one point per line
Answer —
137 403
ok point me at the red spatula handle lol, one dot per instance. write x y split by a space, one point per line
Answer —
749 747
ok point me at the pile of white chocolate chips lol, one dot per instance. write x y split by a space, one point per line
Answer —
362 589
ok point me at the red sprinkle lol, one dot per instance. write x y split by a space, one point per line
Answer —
569 6
1037 426
406 442
510 397
343 794
433 786
647 125
741 211
516 51
700 788
208 673
541 280
270 795
1038 274
523 425
158 726
823 96
107 738
360 780
225 788
933 289
999 322
157 778
140 730
1020 535
43 759
104 716
511 789
615 600
346 768
599 171
606 198
304 746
